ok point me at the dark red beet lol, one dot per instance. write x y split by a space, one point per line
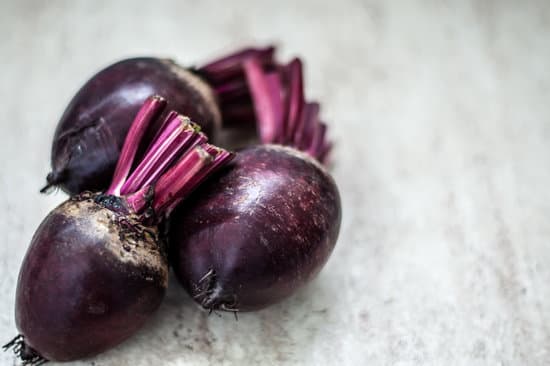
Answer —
89 280
271 219
96 268
262 228
91 131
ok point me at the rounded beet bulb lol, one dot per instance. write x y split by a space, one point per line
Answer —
258 231
269 221
97 268
91 277
91 131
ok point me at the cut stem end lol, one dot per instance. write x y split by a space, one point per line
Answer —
176 162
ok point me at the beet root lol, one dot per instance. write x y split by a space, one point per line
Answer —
261 229
97 268
89 280
91 132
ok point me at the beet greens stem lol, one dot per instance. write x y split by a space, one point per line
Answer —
230 68
220 157
169 116
158 181
306 127
318 140
178 134
228 79
275 89
295 98
149 112
180 180
282 114
167 189
266 92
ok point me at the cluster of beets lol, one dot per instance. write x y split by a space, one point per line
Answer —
259 223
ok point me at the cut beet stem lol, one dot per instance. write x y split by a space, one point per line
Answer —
266 91
176 162
295 98
178 133
150 110
230 68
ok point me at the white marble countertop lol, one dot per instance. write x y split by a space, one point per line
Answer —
441 115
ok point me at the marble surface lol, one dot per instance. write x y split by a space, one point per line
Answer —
441 116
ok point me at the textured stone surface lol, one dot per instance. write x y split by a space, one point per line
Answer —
441 115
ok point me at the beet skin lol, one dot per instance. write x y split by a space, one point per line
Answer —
261 228
91 132
89 280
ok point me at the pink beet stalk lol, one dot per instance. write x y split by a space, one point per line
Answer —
183 174
163 150
165 190
306 127
295 98
231 67
150 110
169 117
266 91
219 157
176 162
317 142
274 88
228 79
283 115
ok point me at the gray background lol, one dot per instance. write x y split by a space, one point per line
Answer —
441 116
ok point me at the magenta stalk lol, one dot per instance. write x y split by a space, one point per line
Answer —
295 97
283 115
148 113
179 139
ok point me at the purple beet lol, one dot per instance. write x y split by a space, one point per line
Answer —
96 268
91 277
269 221
91 132
260 230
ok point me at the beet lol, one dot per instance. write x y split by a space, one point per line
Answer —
91 277
269 221
262 228
90 134
96 268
